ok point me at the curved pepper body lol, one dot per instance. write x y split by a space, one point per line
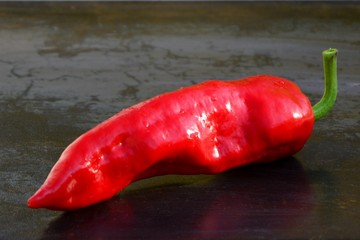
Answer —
203 129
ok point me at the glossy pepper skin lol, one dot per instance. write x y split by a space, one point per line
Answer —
203 129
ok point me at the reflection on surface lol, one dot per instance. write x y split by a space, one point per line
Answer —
252 201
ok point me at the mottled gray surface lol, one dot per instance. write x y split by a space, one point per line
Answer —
66 67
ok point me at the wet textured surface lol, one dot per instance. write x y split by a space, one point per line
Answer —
66 67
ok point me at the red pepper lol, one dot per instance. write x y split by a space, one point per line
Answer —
203 129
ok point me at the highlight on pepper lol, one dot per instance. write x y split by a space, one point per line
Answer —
207 128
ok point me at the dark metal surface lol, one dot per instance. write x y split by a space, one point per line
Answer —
66 67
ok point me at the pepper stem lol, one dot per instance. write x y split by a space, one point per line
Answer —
327 101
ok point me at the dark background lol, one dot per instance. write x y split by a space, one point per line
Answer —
65 67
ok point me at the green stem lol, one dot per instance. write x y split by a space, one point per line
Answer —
330 90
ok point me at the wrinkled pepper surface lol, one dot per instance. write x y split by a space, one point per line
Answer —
202 129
